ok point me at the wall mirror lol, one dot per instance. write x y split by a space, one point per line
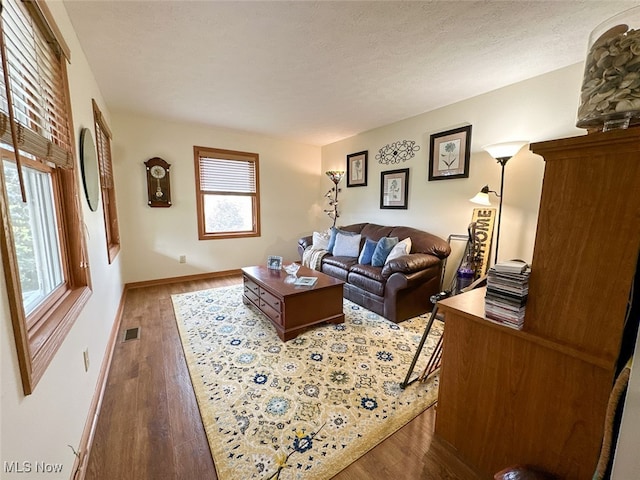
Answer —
89 167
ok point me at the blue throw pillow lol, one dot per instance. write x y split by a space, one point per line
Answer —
382 251
332 238
367 252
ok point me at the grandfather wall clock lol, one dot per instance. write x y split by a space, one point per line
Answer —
158 185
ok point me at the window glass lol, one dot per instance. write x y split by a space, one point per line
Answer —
35 235
228 213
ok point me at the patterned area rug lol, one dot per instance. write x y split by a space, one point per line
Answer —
302 409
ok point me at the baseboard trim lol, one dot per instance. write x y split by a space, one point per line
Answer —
186 278
86 441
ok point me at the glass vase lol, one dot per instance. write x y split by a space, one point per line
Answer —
610 94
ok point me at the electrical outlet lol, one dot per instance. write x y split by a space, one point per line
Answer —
85 355
183 259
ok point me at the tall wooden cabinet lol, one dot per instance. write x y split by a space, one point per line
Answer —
539 396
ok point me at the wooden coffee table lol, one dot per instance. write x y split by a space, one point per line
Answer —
293 308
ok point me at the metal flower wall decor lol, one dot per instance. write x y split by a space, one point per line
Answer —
397 152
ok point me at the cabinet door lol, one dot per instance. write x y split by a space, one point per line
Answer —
506 399
587 240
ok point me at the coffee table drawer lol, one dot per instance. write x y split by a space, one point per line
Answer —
251 286
274 315
271 300
251 295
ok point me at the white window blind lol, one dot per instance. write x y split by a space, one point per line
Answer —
231 176
103 145
37 84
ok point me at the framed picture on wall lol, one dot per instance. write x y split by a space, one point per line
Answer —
394 189
449 154
357 169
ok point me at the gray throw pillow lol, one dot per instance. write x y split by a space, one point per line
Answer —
347 245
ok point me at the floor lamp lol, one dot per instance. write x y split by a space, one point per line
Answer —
502 152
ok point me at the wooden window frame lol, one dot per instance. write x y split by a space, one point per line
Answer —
39 335
200 152
39 314
107 184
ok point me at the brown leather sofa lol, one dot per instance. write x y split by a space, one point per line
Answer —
401 288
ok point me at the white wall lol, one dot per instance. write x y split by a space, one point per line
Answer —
39 427
154 238
539 109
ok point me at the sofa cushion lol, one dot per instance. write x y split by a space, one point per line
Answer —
384 247
346 245
367 252
376 232
345 263
375 273
335 271
423 242
400 249
367 278
354 228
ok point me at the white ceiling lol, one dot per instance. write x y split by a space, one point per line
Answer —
320 71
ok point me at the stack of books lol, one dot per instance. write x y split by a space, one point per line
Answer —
507 291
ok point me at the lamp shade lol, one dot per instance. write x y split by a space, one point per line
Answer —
505 150
335 175
482 197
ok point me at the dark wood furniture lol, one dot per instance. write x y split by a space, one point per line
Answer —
539 396
293 308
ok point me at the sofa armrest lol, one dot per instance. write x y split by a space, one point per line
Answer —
304 243
411 263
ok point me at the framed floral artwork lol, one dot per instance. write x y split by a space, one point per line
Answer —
357 169
449 154
394 189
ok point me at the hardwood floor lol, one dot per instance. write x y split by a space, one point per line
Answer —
149 426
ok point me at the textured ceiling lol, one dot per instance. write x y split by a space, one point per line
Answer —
318 72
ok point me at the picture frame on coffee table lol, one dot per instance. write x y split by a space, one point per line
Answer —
274 262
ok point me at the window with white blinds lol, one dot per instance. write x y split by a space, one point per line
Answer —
37 82
228 194
219 175
108 189
45 268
